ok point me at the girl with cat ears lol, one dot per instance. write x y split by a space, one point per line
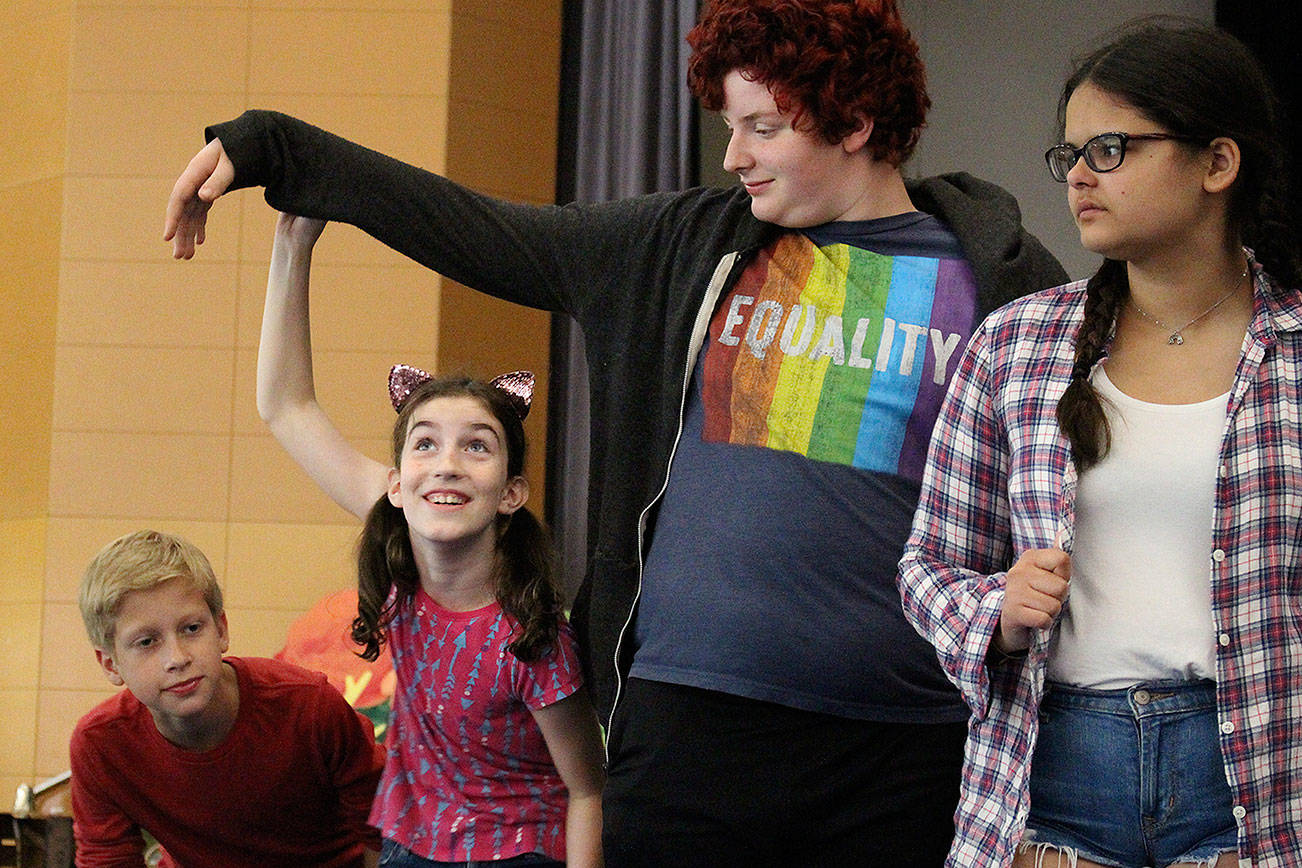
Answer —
494 751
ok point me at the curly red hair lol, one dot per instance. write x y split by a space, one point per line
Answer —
832 63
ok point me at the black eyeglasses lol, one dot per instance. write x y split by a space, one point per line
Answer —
1103 153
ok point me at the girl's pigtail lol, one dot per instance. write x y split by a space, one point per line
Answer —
1080 410
527 588
384 561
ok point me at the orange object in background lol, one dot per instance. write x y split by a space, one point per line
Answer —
320 640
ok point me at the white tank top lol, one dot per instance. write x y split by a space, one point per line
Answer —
1140 601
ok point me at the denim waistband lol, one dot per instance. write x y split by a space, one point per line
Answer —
1145 699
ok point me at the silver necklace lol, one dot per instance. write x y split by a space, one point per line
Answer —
1177 335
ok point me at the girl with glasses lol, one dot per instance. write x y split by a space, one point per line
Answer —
1108 546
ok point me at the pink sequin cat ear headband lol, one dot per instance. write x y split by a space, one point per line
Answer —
517 386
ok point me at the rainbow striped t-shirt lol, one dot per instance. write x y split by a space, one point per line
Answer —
772 568
837 353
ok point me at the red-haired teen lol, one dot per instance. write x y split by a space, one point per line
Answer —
766 364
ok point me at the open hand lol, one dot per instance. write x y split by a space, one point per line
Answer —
207 177
1035 588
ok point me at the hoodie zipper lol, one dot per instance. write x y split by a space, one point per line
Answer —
699 330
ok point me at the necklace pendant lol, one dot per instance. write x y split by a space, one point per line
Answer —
1176 339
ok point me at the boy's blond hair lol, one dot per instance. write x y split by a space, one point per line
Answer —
138 562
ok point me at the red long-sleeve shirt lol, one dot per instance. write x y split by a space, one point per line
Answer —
292 783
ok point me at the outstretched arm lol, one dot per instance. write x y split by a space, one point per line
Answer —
286 393
546 257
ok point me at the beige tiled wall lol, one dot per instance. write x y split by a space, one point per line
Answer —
34 46
502 139
127 378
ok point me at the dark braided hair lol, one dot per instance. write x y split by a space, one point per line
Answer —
526 583
1080 410
1198 81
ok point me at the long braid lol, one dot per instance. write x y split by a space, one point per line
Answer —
1080 410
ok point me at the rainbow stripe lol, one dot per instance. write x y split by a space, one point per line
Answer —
832 353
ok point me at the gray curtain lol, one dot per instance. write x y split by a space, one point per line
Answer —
627 127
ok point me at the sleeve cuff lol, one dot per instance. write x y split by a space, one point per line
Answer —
979 647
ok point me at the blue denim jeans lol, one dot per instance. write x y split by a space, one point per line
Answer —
394 855
1131 777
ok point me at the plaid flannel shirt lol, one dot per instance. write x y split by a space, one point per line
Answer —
1000 480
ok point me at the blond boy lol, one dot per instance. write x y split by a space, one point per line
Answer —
225 760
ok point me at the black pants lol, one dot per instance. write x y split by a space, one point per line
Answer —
699 778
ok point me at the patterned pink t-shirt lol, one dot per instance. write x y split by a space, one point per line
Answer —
468 775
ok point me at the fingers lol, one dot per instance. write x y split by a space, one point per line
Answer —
1035 588
189 229
1034 609
1059 539
219 180
1021 616
1038 582
185 191
1053 560
208 175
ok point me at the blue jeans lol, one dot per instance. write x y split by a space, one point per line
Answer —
1131 777
394 855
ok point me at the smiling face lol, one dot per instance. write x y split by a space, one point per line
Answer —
1154 202
167 650
452 482
795 179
